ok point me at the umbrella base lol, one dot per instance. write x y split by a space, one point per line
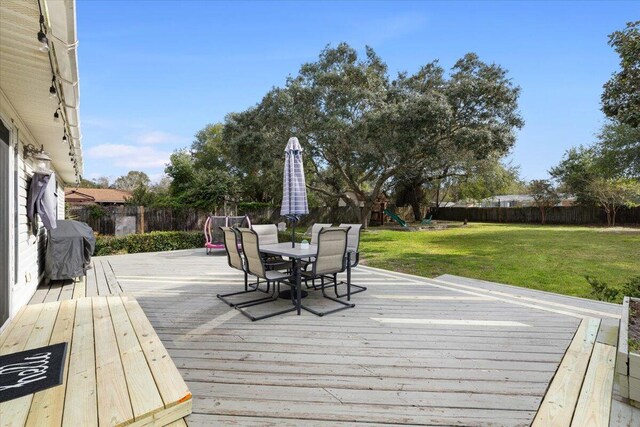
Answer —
287 294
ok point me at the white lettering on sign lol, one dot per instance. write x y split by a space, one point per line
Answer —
34 368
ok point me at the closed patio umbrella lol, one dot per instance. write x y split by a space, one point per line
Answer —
294 195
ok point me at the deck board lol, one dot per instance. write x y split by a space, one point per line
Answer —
594 404
114 406
14 412
79 288
101 278
47 405
91 283
559 403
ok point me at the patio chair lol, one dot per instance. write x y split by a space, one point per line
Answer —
353 251
236 260
315 229
269 236
255 266
313 232
329 261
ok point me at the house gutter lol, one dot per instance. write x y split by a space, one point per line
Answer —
60 19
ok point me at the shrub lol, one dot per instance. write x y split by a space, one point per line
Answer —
601 290
149 242
252 206
632 287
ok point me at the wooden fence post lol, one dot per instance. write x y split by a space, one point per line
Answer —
141 219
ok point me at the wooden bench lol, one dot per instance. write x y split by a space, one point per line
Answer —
580 393
117 370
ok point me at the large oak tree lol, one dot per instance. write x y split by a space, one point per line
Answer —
359 128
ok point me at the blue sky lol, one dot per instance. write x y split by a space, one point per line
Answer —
155 72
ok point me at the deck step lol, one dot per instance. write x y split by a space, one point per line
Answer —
558 405
135 382
594 404
580 393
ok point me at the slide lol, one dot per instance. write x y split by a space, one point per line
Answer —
395 217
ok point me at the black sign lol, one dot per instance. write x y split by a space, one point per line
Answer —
30 371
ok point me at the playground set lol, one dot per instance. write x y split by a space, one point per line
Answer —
402 222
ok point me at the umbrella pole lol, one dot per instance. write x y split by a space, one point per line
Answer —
293 234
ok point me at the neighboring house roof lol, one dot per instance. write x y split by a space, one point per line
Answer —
96 195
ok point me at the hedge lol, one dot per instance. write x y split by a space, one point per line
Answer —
155 241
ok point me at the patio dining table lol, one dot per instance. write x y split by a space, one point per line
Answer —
297 254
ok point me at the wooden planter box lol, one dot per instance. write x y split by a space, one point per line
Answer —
627 363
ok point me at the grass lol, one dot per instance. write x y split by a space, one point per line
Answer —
549 258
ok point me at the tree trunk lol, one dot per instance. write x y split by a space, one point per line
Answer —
543 215
365 212
415 206
613 217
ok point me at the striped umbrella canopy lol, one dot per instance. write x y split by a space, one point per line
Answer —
294 194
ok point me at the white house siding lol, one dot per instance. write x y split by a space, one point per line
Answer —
60 193
30 248
29 266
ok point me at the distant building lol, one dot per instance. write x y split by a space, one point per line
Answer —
519 201
97 196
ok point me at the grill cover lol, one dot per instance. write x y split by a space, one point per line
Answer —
69 250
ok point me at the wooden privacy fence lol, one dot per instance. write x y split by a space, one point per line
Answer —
121 220
571 215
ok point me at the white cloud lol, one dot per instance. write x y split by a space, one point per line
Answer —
129 156
158 137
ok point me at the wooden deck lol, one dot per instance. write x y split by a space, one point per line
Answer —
443 351
117 371
100 280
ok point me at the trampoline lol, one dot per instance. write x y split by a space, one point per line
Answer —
214 238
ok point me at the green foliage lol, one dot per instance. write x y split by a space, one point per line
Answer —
96 211
197 186
285 236
576 171
85 183
632 287
251 206
132 181
544 195
142 196
621 95
601 290
486 178
619 150
612 194
149 242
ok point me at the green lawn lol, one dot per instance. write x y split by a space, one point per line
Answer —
550 258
